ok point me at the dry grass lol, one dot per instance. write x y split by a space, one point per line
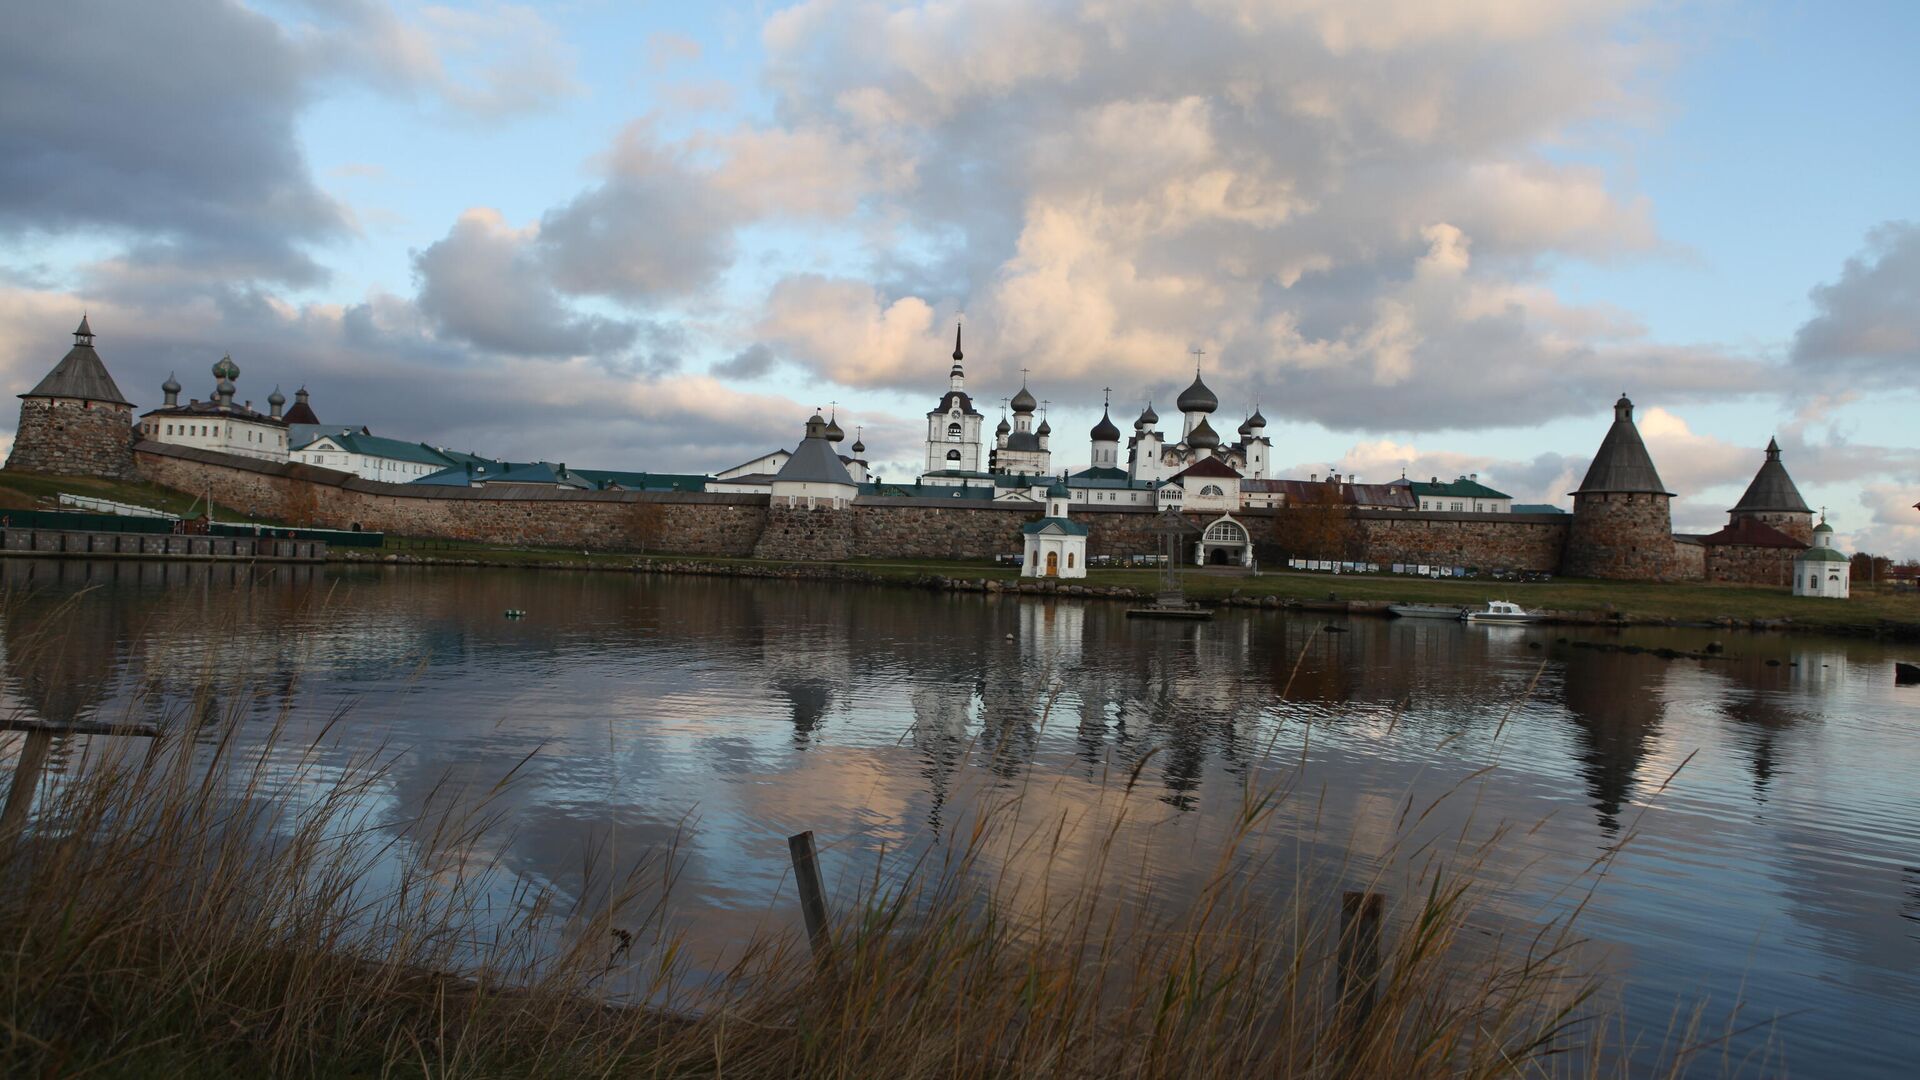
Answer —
191 909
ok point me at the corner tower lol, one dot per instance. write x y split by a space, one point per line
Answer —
1773 500
1622 514
75 422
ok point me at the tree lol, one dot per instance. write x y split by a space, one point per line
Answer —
1316 525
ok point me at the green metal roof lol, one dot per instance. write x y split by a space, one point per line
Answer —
1053 524
381 447
1462 488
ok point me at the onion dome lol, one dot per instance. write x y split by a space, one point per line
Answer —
1024 401
1044 429
1197 398
1003 428
859 447
171 386
225 368
1148 417
224 388
1104 431
1203 437
1256 421
1246 428
834 434
276 399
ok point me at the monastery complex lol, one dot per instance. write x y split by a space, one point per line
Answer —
974 498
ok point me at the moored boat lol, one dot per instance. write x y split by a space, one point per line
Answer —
1502 611
1427 611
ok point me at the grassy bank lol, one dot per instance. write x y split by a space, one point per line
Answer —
1650 601
224 905
32 491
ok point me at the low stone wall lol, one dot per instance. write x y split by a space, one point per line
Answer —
1744 565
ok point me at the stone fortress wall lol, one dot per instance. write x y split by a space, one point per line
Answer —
742 525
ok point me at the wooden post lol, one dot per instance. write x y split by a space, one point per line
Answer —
813 896
26 778
1361 915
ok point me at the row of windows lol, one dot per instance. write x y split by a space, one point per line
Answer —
204 431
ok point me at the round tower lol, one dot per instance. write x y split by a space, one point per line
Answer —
1622 514
75 422
1773 500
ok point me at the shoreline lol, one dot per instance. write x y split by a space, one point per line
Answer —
1239 598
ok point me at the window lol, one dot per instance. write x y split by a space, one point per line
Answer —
1069 560
1813 581
1456 507
953 431
953 455
1225 532
1212 489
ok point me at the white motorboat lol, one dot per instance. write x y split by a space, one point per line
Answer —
1501 611
1427 611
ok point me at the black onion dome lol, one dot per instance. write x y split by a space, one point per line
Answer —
1197 398
1044 428
1203 437
1256 421
1246 428
1024 401
1148 417
859 447
1104 431
834 434
1003 428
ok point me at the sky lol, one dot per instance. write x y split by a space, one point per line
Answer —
1425 238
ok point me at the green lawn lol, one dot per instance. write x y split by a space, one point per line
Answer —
1689 602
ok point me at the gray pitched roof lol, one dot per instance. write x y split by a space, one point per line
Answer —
814 461
1772 489
1622 462
79 374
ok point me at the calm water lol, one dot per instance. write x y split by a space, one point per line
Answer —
1780 867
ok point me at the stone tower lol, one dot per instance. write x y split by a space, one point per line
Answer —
1622 514
1773 500
75 422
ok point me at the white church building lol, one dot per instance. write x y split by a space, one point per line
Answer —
1055 546
1820 570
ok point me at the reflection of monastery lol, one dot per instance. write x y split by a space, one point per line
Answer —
815 503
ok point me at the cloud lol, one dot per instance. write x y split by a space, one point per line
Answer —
170 126
1867 324
485 284
484 62
749 363
1349 206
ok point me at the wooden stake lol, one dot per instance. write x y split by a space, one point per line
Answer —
1361 915
26 778
813 895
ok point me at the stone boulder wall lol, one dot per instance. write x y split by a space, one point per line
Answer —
1493 541
69 438
1745 564
806 534
938 528
695 524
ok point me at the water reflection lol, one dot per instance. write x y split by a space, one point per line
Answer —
721 716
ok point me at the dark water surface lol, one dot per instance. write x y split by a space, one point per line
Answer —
1779 869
